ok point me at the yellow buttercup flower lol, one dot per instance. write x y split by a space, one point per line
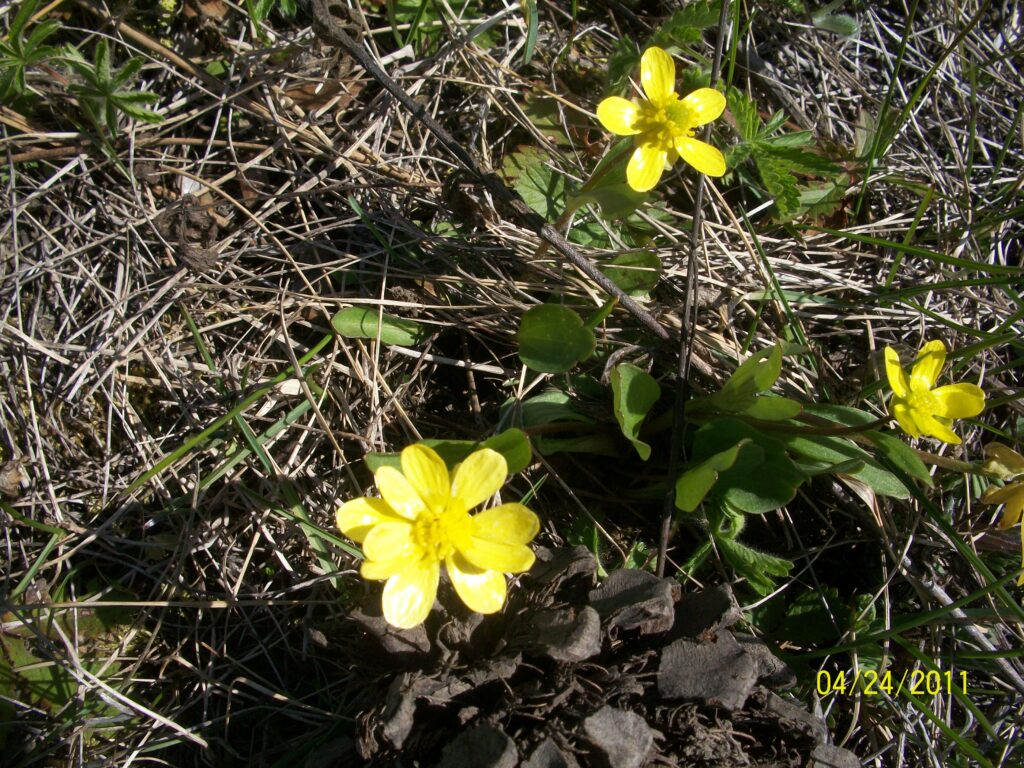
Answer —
920 407
423 520
663 123
1009 465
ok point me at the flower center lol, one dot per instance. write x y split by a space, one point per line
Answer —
922 401
437 536
661 123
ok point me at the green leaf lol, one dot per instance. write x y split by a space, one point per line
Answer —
34 41
616 199
755 374
512 444
836 450
840 23
757 482
902 455
814 618
841 414
530 11
621 64
127 71
634 392
529 170
772 408
552 339
635 272
824 199
758 567
781 184
695 483
800 160
546 408
21 18
683 27
369 323
597 444
744 110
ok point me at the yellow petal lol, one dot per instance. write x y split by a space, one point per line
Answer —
1002 495
479 477
494 556
705 105
1013 510
355 518
506 524
905 417
928 365
705 158
959 401
389 541
937 427
378 570
1008 462
618 115
482 591
894 372
1020 579
399 493
657 75
428 475
645 167
409 594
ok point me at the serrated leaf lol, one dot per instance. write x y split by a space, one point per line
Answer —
684 25
621 64
695 483
42 31
529 170
758 567
552 339
824 199
780 184
774 123
634 392
21 18
370 323
744 110
801 161
127 71
635 272
512 444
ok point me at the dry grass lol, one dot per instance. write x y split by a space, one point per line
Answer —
138 310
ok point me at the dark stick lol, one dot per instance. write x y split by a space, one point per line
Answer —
689 321
334 30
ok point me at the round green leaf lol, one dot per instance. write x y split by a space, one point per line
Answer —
635 272
552 339
634 391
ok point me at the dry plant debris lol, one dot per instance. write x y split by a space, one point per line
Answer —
625 672
178 419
